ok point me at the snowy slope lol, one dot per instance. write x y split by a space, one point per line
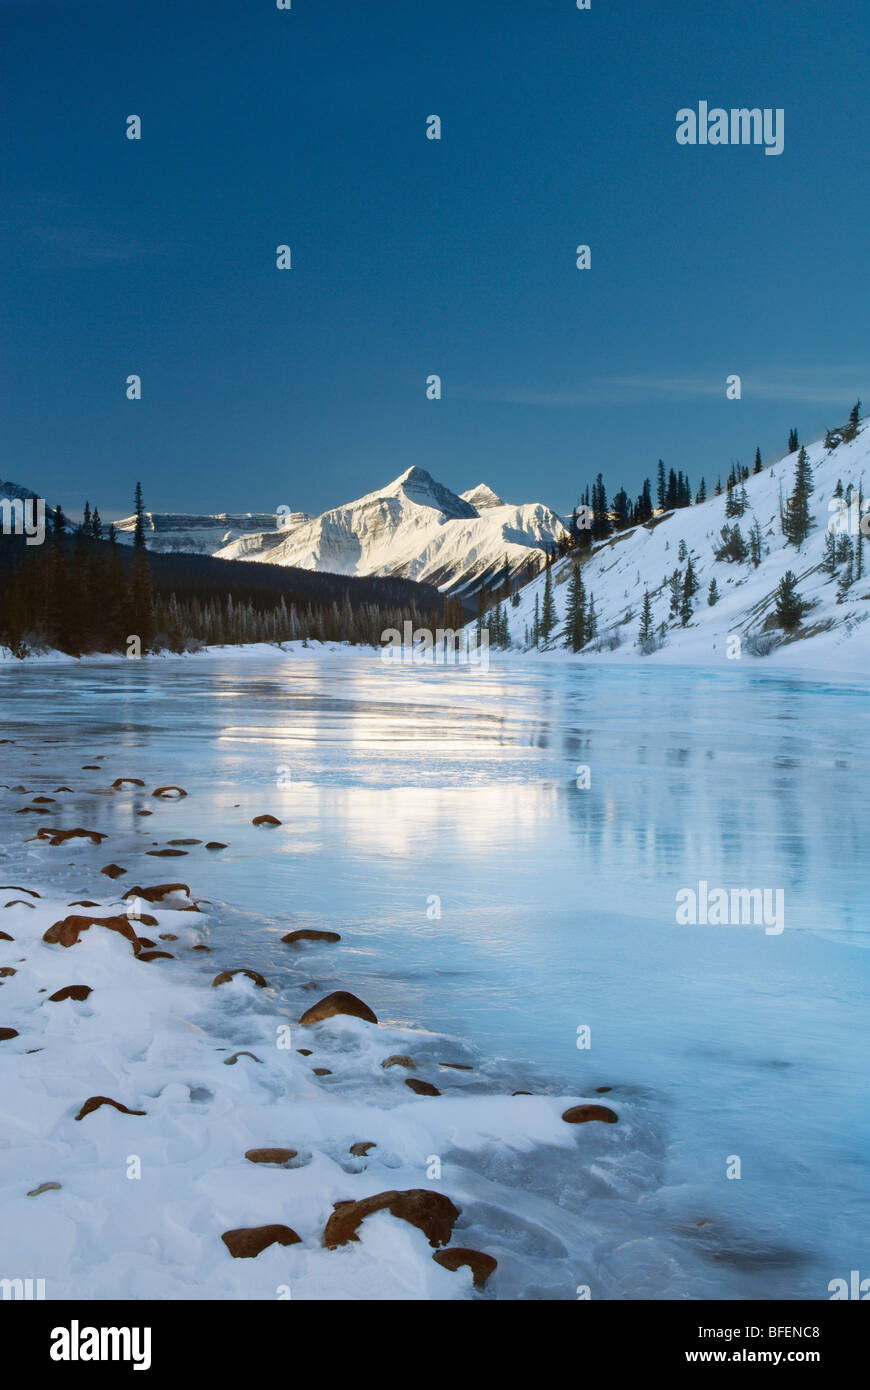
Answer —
620 569
417 529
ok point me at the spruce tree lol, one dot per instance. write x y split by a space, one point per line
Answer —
690 583
141 603
676 592
660 493
789 606
645 635
796 519
829 559
853 426
713 593
575 625
758 465
548 610
601 523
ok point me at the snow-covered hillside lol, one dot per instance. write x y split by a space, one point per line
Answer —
416 529
834 629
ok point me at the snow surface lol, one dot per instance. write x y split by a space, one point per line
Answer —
835 635
557 910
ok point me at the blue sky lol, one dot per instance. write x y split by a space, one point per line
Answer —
306 388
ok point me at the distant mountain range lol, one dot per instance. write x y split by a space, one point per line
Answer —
414 528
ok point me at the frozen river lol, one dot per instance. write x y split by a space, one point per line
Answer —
502 854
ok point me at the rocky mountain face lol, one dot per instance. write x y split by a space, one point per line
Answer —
414 528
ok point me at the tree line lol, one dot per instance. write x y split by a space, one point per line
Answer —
82 591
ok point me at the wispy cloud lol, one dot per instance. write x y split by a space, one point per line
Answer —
828 385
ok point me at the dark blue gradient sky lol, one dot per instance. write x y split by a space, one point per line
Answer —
307 388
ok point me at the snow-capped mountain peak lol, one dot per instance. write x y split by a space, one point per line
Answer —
414 527
481 497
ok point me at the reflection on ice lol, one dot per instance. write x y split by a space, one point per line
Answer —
556 909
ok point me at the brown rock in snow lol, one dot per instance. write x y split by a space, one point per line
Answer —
307 934
481 1266
157 893
66 933
94 1103
431 1212
340 1002
421 1088
582 1114
248 1242
226 975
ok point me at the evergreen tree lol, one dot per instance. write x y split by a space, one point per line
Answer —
645 635
139 528
796 519
685 602
757 468
548 609
853 426
702 492
575 625
690 583
793 444
847 576
789 606
829 559
660 493
481 607
644 507
141 603
621 511
601 523
713 593
676 592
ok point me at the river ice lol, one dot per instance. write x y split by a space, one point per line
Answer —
491 904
